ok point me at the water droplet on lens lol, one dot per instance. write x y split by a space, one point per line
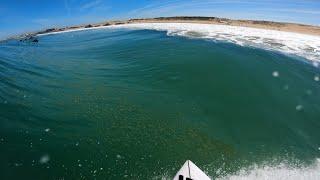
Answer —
316 78
299 107
44 159
275 74
18 164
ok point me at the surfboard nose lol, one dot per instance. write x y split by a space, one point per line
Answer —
189 171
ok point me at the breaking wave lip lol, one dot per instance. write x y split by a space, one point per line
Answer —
303 45
281 171
307 46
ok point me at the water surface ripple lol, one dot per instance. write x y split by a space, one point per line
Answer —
135 104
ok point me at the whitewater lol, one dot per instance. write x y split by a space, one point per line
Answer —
302 45
281 171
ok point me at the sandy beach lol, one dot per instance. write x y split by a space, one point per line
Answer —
279 26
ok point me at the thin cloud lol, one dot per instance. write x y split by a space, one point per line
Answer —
235 9
302 11
41 21
90 5
66 6
169 7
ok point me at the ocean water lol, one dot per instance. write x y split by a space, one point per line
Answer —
123 103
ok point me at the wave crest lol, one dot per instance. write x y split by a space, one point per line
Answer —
303 45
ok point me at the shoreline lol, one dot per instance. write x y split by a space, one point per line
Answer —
291 39
291 43
284 37
266 25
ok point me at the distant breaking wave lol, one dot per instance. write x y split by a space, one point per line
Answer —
302 45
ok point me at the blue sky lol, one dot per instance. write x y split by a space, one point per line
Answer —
18 16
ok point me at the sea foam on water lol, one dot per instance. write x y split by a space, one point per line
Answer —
302 45
279 172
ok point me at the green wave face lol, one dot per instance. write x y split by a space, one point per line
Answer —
117 104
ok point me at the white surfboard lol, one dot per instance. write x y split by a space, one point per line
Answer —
190 171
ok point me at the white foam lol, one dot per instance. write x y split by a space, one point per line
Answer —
303 45
279 172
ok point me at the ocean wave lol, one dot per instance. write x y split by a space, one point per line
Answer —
279 172
302 45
